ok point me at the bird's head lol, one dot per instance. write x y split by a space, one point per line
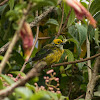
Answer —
59 43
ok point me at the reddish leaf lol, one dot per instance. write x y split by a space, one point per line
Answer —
27 38
81 11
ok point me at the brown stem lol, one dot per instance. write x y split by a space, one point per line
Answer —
73 62
31 74
92 82
2 3
59 31
42 38
37 33
4 48
66 20
88 49
43 15
14 40
38 19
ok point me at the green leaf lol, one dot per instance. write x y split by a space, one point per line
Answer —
80 65
1 57
52 21
11 4
95 7
83 87
62 57
31 87
70 57
7 79
82 33
34 52
73 32
13 15
2 8
53 95
97 93
1 84
84 4
74 40
97 17
91 32
81 99
97 36
17 58
23 92
45 2
72 14
18 72
40 95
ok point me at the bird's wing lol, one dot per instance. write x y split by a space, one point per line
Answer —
43 53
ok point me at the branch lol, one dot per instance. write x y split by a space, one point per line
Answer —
14 40
88 48
39 18
34 72
4 48
59 31
92 82
43 15
74 62
37 33
2 3
42 38
66 20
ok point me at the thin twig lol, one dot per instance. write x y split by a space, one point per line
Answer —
80 97
88 49
43 38
43 15
74 62
92 82
35 71
2 3
59 31
37 33
89 67
4 48
14 40
66 20
39 18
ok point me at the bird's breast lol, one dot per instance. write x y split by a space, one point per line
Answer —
53 57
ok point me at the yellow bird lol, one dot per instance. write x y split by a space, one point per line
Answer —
51 53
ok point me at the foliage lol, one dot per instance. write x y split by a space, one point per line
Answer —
73 78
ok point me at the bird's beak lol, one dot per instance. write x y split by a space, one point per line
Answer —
64 41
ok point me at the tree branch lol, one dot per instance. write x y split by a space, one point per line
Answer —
66 20
31 74
92 82
42 38
59 31
14 40
37 33
4 48
39 18
88 49
74 62
2 3
43 15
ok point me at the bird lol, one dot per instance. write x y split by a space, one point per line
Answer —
50 53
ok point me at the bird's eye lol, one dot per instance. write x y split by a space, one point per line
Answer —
58 42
